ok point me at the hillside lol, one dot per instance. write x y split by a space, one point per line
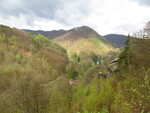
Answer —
19 47
127 90
50 34
116 40
28 62
82 40
24 54
37 77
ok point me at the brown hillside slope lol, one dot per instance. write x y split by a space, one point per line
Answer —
30 53
84 40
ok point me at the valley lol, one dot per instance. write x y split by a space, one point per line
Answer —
74 71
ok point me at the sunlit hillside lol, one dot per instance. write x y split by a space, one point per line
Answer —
84 40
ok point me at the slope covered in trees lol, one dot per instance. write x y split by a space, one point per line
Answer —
127 91
84 40
27 63
32 81
116 40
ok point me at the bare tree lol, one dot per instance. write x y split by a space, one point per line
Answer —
147 29
27 96
142 45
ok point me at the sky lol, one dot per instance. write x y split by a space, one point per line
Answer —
104 16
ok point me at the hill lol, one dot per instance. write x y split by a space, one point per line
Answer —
24 53
84 40
116 40
28 62
50 34
32 70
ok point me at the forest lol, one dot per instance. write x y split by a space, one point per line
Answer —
39 76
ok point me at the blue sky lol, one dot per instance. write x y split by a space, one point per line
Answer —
105 16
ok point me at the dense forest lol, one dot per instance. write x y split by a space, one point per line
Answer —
38 76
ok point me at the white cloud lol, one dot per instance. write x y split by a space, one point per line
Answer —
12 21
116 16
49 25
105 16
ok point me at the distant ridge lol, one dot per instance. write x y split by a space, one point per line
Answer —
49 34
84 32
116 40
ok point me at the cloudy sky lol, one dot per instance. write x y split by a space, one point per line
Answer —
105 16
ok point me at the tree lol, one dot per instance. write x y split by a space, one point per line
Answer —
144 33
94 58
143 46
78 59
147 28
27 96
31 95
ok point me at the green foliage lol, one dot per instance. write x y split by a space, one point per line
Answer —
104 110
126 58
79 66
74 75
60 97
84 66
96 42
123 57
134 65
78 59
38 39
60 47
101 94
120 104
2 37
25 72
85 111
95 58
2 54
3 27
12 40
18 58
139 95
71 70
97 98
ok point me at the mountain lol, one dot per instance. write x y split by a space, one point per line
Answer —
83 32
116 40
36 77
84 40
50 34
20 51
